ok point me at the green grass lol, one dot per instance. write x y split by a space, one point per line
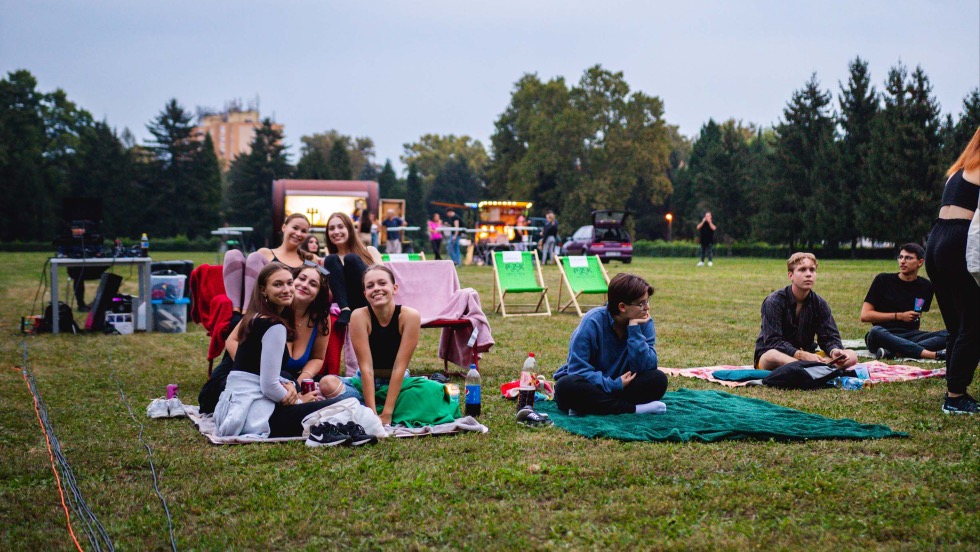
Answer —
512 488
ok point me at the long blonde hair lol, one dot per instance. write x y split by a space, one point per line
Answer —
970 158
353 242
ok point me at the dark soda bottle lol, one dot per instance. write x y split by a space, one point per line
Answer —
473 385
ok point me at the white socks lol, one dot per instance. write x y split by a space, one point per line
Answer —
653 407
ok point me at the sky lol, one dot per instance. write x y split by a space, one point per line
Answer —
394 71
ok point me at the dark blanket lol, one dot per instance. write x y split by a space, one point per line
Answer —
709 416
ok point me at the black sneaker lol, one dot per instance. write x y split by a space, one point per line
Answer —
882 353
327 435
941 355
357 434
964 404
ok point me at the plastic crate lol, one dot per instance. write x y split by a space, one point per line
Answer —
170 316
167 288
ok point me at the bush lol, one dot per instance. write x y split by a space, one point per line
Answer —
180 243
686 248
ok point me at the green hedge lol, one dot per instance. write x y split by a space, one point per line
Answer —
684 248
180 243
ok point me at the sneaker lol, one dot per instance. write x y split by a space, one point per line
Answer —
327 435
158 409
175 408
700 263
882 353
711 263
357 434
529 417
941 355
964 404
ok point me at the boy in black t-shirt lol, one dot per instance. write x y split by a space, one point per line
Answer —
894 305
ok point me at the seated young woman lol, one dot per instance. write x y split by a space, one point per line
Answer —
240 272
347 260
310 317
385 336
256 399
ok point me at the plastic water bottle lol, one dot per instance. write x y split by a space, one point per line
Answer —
849 383
473 385
144 245
530 364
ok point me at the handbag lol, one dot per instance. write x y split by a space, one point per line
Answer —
973 247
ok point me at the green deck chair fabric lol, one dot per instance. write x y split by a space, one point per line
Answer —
387 257
586 279
517 277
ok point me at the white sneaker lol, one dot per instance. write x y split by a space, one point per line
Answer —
158 409
711 263
175 407
700 263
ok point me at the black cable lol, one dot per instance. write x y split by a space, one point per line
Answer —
97 535
149 452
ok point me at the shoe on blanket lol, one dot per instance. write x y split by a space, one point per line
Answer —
327 435
357 434
158 409
529 417
964 404
175 408
941 355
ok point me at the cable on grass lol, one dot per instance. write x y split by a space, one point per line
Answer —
96 533
149 452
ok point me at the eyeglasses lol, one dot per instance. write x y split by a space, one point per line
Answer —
320 269
907 258
641 304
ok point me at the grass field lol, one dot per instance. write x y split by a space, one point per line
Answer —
512 488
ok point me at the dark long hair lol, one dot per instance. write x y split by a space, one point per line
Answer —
258 306
353 241
320 307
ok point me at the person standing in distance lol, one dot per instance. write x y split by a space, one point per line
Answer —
707 230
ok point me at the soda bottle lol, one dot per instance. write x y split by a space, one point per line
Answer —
530 364
473 384
144 245
849 383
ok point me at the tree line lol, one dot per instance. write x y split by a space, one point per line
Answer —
870 165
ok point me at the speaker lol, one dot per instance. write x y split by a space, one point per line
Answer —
108 288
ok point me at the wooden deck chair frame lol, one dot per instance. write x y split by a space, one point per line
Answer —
574 297
386 257
499 293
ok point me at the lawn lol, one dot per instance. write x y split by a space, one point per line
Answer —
512 488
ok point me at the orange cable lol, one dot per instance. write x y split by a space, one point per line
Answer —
47 439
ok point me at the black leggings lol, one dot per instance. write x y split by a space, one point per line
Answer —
347 280
958 296
287 421
581 395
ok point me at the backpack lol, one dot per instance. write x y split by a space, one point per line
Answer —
66 319
802 374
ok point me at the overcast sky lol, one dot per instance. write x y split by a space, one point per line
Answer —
394 71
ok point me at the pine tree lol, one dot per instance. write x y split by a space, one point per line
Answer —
251 176
905 163
858 109
455 182
172 171
388 183
105 169
415 214
312 165
204 212
338 164
966 126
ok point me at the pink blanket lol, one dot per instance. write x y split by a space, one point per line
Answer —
879 372
432 288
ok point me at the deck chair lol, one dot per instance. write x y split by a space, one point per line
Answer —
402 257
583 275
519 272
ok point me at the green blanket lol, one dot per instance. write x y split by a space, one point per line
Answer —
709 416
421 402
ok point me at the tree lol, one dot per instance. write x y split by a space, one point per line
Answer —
905 164
858 109
205 191
415 214
251 176
388 183
431 153
338 164
360 152
456 182
798 168
106 170
172 171
312 165
965 127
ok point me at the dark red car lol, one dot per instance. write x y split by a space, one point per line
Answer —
606 237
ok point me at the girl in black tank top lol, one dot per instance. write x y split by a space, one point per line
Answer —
384 336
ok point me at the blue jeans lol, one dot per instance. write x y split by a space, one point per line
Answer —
453 247
904 342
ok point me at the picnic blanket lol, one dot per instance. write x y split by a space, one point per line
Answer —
879 372
709 416
860 349
205 424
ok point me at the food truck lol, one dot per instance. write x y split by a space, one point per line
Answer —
317 199
497 225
